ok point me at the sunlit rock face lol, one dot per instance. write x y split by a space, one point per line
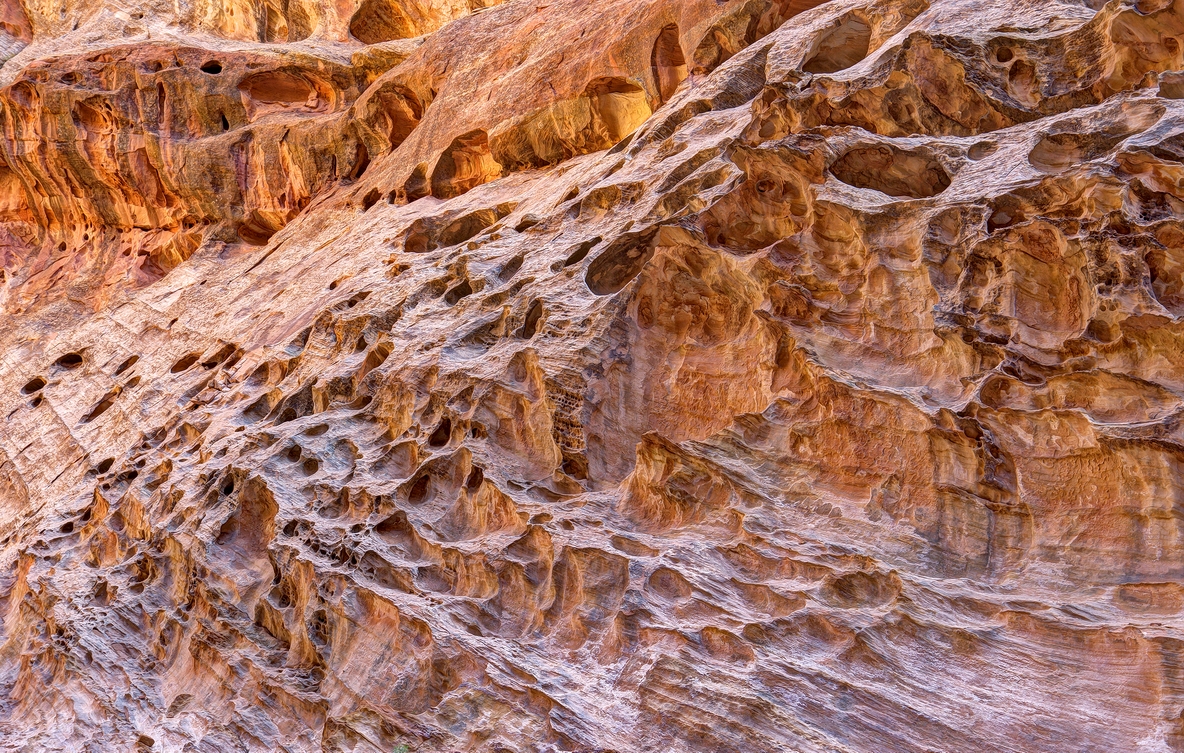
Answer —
558 375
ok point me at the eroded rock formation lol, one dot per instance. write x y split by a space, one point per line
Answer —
638 375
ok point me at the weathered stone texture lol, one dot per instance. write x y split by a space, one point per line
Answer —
614 375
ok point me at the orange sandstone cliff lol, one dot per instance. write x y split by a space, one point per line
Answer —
592 375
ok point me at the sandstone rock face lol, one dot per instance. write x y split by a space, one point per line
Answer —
631 375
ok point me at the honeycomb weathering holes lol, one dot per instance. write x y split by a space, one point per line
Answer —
129 362
378 21
278 87
620 105
531 324
668 64
69 361
620 262
184 363
464 165
841 47
892 171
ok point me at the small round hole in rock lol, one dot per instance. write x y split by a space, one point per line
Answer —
361 402
576 467
982 149
842 47
294 453
1004 54
463 290
533 315
185 363
130 362
33 385
527 223
581 251
419 490
311 466
69 361
105 465
442 434
213 67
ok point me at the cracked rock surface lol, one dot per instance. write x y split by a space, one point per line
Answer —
555 375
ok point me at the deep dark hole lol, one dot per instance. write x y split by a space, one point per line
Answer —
69 361
361 402
442 434
185 363
419 490
460 291
531 325
130 362
511 268
103 406
213 67
33 385
361 162
581 251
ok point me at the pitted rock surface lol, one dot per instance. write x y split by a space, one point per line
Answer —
556 375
